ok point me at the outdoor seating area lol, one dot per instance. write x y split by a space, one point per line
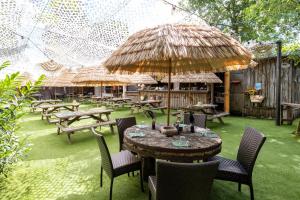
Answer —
149 99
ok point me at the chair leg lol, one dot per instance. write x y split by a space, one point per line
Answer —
132 173
142 182
111 188
251 191
239 187
101 176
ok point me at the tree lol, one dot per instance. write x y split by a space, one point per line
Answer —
262 20
13 98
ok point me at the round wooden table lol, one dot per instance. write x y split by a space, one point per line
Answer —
156 145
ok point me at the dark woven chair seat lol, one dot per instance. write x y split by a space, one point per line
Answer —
124 162
230 169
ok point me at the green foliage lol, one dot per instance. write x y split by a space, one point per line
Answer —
263 20
292 51
13 98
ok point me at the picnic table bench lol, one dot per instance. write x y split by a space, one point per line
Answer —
209 110
50 109
37 103
148 105
289 109
118 102
65 119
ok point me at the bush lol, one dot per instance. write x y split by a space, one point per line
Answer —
13 98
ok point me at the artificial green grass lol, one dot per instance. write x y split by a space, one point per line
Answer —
55 169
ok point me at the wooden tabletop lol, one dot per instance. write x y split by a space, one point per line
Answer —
47 101
66 115
149 101
157 145
204 106
58 105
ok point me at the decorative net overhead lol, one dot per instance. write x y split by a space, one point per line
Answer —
77 32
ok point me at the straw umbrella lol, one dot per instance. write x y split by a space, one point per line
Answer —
98 76
24 78
138 78
210 78
179 48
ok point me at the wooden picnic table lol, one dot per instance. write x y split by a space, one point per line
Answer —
50 109
155 145
65 119
120 100
36 103
289 108
209 110
147 105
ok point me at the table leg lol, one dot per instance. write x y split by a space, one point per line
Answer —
148 167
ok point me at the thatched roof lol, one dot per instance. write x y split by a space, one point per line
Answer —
186 47
51 66
65 79
137 78
194 78
97 76
24 78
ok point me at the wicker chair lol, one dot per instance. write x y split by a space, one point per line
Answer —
123 124
240 170
116 164
200 119
182 181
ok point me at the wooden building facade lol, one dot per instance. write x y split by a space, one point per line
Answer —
264 75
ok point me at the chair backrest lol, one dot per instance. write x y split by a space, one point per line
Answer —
200 119
250 145
122 125
105 155
185 181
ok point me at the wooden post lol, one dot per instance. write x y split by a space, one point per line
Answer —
227 92
212 93
190 97
169 92
278 85
101 84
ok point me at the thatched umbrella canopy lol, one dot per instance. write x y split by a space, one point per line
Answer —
179 48
193 78
24 78
138 78
98 76
65 79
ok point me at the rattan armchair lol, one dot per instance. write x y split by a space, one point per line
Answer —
200 119
122 125
116 164
182 181
240 170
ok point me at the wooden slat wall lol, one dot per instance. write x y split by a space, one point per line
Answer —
265 73
178 98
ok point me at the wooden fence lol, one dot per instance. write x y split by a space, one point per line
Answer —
265 73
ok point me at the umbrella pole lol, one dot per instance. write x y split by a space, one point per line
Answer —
101 89
190 97
169 93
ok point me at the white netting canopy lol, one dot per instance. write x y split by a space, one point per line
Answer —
77 32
